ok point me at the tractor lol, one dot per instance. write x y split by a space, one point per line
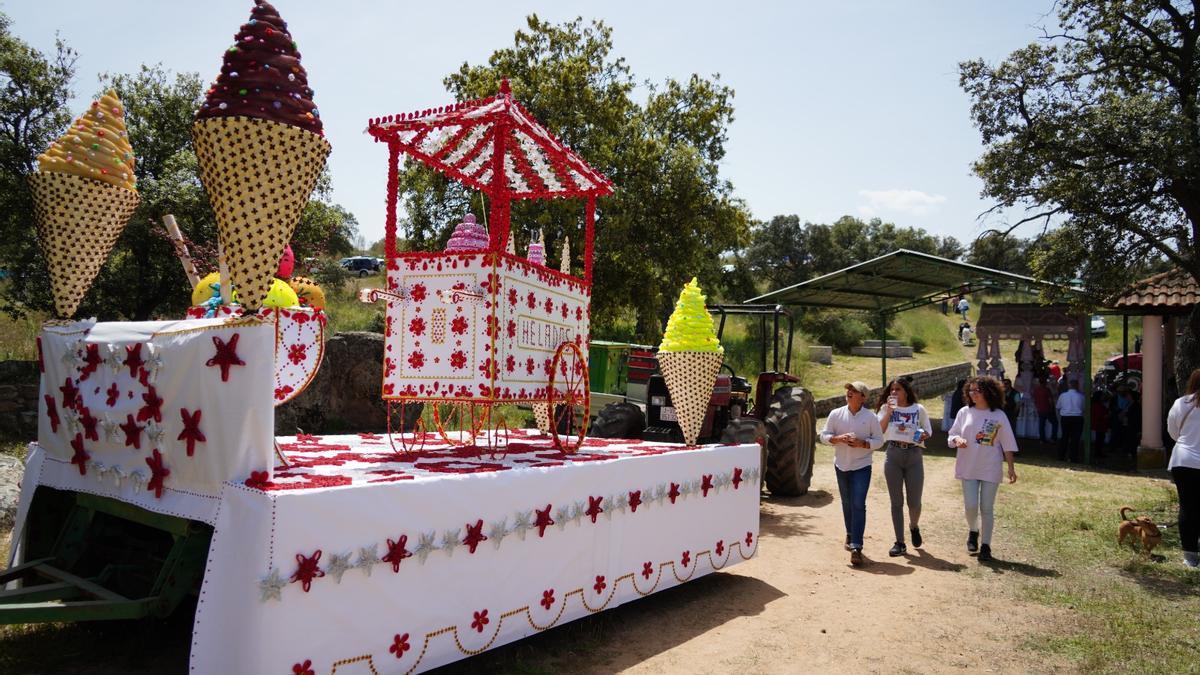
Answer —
776 412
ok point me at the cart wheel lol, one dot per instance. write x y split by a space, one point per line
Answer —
410 424
457 422
568 400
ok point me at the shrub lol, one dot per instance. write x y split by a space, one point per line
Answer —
841 330
918 343
331 276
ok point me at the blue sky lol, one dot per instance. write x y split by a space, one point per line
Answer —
841 107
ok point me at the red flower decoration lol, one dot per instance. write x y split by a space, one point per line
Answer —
647 569
91 361
749 538
417 326
543 520
70 394
529 366
226 356
282 392
89 423
720 547
510 363
158 473
548 366
458 360
133 433
307 569
399 645
674 493
706 483
81 455
258 480
547 598
113 394
133 358
512 297
512 328
153 407
416 360
418 292
487 368
297 353
51 413
599 586
549 305
737 477
191 430
303 668
531 300
579 314
397 552
635 500
481 620
564 309
474 535
594 508
458 326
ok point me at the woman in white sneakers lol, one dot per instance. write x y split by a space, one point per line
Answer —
905 425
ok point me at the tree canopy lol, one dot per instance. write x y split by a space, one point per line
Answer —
1095 129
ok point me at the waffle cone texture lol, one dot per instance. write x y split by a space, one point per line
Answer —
690 377
259 175
78 220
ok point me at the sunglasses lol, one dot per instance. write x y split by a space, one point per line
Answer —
972 391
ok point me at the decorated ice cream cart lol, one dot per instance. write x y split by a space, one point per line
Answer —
479 325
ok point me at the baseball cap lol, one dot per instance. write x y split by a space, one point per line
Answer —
860 386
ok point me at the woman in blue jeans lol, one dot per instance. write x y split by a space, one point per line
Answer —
984 440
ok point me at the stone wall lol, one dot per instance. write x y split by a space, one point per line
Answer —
344 396
928 384
19 381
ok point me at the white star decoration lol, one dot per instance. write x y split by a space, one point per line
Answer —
112 430
425 547
367 557
522 523
339 563
577 510
154 360
71 417
498 532
116 357
270 586
155 432
561 516
450 541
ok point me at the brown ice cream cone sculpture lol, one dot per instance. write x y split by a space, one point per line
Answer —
259 175
261 147
83 195
541 415
690 377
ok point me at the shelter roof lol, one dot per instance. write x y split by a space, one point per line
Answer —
898 281
463 139
1171 292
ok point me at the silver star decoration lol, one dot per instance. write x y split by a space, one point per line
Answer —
497 532
116 357
723 480
685 489
71 357
339 563
154 361
138 478
623 501
660 492
609 505
451 540
270 586
112 430
521 523
71 417
155 432
100 468
119 475
561 516
577 511
426 546
367 557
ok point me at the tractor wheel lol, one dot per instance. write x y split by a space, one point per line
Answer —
791 435
744 430
619 420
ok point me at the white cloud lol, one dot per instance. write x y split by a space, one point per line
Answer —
913 202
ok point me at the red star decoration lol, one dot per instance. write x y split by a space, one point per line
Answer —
635 500
153 407
474 535
89 423
543 520
133 358
158 473
594 508
307 569
397 552
51 413
706 484
70 394
191 430
674 493
113 394
686 558
226 356
133 433
737 478
81 456
91 361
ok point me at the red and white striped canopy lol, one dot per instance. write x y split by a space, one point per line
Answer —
493 145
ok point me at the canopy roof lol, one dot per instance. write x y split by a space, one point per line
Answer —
898 281
493 145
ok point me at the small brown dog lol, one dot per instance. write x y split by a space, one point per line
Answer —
1138 528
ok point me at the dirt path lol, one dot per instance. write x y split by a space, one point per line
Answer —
800 606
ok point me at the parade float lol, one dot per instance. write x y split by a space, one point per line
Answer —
156 473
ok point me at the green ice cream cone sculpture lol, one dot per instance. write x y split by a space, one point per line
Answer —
690 357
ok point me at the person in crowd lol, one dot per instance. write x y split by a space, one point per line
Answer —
1070 414
1012 402
905 426
1043 401
957 399
854 433
1055 371
1183 424
1125 416
963 306
1099 420
984 442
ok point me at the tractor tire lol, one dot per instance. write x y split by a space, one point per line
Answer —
744 430
791 437
618 420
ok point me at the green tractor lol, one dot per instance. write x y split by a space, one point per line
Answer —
776 413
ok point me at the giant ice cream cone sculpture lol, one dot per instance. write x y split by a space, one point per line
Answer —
261 148
689 358
84 192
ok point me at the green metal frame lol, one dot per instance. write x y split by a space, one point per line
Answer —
52 588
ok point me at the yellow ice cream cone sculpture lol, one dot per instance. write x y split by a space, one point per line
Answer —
84 192
690 357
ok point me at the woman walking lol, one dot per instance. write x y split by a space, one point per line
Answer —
984 441
905 426
1183 423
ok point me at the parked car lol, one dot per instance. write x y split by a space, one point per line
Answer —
1099 327
360 265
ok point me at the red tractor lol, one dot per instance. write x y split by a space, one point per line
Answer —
780 417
